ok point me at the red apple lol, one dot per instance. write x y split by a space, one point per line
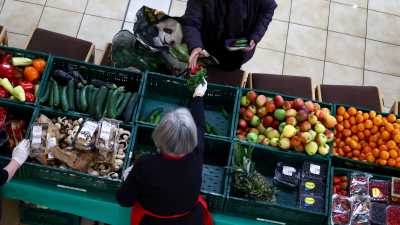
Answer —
261 100
248 115
298 103
317 106
261 112
309 106
275 124
302 115
242 111
240 132
267 121
270 107
305 126
299 148
320 115
287 105
278 100
252 108
252 96
242 123
241 137
291 120
295 141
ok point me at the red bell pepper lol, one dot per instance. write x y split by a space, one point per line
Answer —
26 85
4 93
6 69
29 97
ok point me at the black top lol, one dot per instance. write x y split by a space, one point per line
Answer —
3 177
168 187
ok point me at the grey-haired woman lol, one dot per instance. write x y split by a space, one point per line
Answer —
165 188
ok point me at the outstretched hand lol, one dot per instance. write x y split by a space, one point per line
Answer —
194 56
21 152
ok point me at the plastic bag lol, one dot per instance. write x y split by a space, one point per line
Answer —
360 209
378 213
314 170
341 210
106 135
286 175
312 203
359 183
86 136
312 187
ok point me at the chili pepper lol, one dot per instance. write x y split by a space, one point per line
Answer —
6 69
29 97
4 93
195 69
26 85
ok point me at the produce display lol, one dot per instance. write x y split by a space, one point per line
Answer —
367 136
70 91
96 148
340 185
302 126
20 76
12 129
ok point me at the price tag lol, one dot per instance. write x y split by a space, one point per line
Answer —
51 142
288 170
88 129
37 135
315 169
105 132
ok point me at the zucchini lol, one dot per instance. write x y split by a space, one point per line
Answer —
45 97
100 99
122 105
115 105
71 94
108 102
77 102
92 106
114 102
152 117
128 111
51 94
64 98
56 94
83 98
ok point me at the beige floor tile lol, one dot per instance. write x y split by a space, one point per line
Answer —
388 85
178 8
134 6
73 5
383 27
20 17
40 2
301 66
306 41
282 12
128 26
345 49
382 57
60 21
355 3
342 75
98 56
388 6
310 12
17 40
98 30
265 61
114 9
275 37
346 19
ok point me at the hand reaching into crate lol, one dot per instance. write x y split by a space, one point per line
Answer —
21 152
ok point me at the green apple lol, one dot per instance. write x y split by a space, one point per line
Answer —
279 114
255 121
244 101
319 128
260 138
323 149
289 131
306 137
274 142
273 134
281 126
261 128
311 148
321 139
265 141
313 134
284 143
252 137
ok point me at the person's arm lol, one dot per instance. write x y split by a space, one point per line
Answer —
265 15
197 111
9 171
127 193
19 156
192 23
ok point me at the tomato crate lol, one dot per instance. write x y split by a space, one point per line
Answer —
374 167
32 55
164 93
121 81
270 94
339 171
35 215
216 157
69 178
286 209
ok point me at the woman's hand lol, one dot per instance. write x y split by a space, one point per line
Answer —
200 89
251 46
21 152
194 56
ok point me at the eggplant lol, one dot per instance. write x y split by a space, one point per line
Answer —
78 77
62 76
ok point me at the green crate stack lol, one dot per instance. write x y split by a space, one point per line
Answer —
285 209
216 157
32 55
68 178
271 94
30 215
169 93
132 81
345 162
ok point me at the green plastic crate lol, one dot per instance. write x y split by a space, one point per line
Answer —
30 215
171 93
69 178
345 162
33 55
217 154
271 94
344 171
285 209
132 81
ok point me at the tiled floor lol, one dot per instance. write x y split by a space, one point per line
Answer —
332 41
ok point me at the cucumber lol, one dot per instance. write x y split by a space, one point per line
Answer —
77 102
83 98
64 98
56 94
51 94
122 106
71 94
108 102
128 111
115 105
114 102
89 93
92 106
100 99
45 97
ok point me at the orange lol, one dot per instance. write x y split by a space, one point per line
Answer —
346 132
360 135
362 156
39 64
354 129
346 115
340 152
346 124
348 140
367 133
370 158
354 158
359 118
385 135
375 152
389 127
339 127
384 155
377 121
373 138
356 153
374 129
372 114
341 144
391 144
339 118
355 138
349 155
366 116
352 111
391 162
391 118
368 124
393 154
353 120
396 138
361 127
31 74
398 164
341 110
347 148
372 144
383 148
367 149
382 162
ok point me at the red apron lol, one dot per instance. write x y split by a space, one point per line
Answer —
138 212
